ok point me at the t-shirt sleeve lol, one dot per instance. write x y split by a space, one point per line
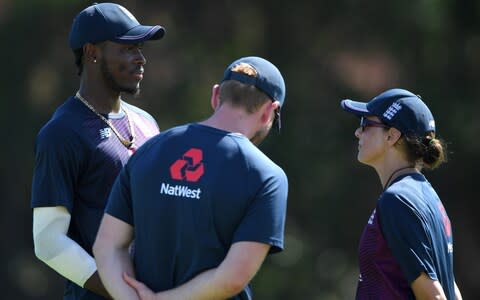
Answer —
58 157
142 117
406 235
119 203
264 220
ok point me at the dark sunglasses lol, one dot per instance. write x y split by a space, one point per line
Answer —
364 123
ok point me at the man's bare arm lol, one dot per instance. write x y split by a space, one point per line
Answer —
241 264
111 253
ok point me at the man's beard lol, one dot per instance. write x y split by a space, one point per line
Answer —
113 84
260 135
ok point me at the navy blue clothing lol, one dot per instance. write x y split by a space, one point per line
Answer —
77 158
409 232
190 193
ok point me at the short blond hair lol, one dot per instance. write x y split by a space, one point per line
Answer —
243 95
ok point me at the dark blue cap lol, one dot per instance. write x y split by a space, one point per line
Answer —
268 78
110 22
397 108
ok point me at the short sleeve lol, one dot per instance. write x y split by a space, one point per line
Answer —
264 221
405 232
58 159
120 201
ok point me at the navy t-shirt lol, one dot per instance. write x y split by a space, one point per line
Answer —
190 193
409 232
77 158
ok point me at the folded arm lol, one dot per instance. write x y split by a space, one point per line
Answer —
61 253
227 280
111 252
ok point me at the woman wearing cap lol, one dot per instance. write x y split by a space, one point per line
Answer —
406 249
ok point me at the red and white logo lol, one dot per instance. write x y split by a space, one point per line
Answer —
189 167
446 221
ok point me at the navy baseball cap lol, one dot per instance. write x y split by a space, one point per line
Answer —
397 108
110 22
268 78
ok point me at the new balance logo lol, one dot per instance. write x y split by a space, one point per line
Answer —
189 167
392 110
105 133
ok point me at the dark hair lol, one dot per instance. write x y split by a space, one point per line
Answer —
78 60
242 95
429 151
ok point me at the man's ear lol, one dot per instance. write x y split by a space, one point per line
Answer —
215 100
268 112
90 53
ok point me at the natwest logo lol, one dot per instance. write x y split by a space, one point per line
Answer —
189 167
180 191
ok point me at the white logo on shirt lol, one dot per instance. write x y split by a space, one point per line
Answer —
180 191
450 247
105 133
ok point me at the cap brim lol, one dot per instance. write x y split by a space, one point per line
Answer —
141 33
355 107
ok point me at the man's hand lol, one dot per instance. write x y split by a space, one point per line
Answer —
143 292
223 282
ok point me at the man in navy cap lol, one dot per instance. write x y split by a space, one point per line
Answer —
80 151
204 204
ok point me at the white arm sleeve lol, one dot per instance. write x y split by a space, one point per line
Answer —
56 249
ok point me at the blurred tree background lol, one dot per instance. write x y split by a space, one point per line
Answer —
327 50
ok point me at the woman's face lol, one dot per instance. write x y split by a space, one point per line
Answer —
371 136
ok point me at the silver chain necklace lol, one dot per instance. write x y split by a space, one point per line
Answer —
126 142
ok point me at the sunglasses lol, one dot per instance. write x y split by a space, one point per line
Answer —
364 123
